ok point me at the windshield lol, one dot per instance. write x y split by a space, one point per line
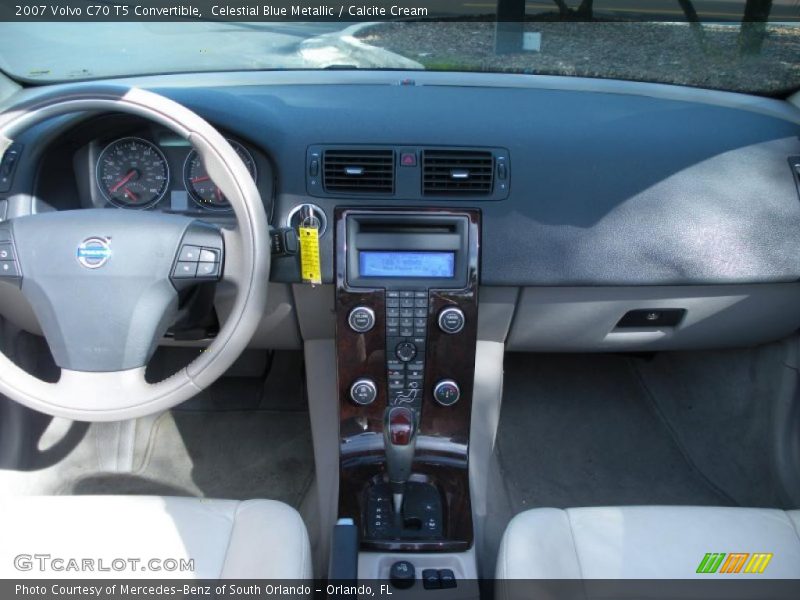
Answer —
666 41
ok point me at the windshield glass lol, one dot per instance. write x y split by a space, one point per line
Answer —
666 41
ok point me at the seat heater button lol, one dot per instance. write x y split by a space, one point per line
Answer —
430 579
185 270
448 578
189 254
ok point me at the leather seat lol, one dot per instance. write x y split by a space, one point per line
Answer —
645 542
226 539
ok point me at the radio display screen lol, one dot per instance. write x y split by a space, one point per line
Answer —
373 263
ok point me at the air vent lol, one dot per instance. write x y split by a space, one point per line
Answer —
358 171
457 172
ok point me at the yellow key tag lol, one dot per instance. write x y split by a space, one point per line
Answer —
309 255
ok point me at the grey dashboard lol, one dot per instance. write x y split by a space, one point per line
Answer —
610 184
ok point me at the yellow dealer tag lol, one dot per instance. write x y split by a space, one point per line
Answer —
309 255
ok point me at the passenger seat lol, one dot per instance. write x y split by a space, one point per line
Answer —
650 542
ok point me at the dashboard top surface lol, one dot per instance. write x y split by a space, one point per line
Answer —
610 183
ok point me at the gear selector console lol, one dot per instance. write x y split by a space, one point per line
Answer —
407 307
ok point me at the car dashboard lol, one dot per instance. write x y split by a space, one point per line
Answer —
600 202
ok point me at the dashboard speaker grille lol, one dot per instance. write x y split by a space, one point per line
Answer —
453 172
358 171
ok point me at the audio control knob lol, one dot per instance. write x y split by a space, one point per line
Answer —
361 319
446 392
363 391
451 320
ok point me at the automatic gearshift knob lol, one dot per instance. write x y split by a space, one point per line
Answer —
401 425
400 436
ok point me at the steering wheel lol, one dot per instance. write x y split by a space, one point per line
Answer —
104 283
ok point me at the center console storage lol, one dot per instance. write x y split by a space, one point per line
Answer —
406 302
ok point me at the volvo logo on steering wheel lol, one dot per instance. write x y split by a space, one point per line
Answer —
94 252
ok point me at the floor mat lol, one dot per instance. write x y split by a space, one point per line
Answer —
240 455
583 431
215 454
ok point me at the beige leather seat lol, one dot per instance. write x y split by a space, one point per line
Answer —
645 542
227 539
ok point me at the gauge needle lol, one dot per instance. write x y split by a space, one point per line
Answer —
131 195
199 179
124 180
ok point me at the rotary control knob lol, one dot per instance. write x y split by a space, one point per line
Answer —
361 319
451 320
405 351
446 392
363 391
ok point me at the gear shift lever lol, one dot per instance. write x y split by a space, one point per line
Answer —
400 437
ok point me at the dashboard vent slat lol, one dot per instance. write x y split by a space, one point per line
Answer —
453 172
358 171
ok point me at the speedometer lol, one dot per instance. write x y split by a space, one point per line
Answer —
205 192
132 173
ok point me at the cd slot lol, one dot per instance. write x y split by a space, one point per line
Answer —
407 228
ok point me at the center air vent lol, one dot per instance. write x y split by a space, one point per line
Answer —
457 172
358 171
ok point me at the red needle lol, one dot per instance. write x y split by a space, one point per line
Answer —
131 195
199 179
123 181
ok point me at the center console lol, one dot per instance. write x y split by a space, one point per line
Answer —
406 303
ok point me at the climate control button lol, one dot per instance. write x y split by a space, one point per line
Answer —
361 319
446 392
451 320
363 391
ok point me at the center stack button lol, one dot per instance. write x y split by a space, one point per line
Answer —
406 351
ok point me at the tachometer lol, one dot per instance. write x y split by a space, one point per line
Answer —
205 192
132 173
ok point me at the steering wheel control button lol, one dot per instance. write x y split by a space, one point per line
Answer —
189 254
406 351
446 392
207 255
6 252
207 269
451 320
201 259
401 574
363 391
361 319
185 270
9 268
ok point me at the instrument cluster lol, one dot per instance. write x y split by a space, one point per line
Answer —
161 172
